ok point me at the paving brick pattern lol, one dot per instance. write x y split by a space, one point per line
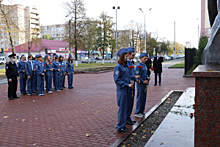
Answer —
64 118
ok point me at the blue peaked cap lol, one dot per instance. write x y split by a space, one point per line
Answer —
46 56
131 49
55 56
70 56
121 51
30 54
143 55
22 55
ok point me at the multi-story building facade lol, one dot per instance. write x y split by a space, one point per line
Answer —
57 31
23 22
205 24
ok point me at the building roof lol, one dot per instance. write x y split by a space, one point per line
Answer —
49 44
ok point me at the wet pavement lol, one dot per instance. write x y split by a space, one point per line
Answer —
177 129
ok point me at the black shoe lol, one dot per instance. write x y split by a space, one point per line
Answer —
10 99
16 97
130 122
61 88
72 87
155 84
123 130
160 84
64 87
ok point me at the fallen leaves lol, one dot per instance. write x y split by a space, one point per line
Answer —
87 135
144 131
71 126
23 119
161 143
6 117
134 134
50 129
152 132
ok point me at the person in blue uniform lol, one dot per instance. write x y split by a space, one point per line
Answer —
54 54
63 72
12 75
57 73
141 70
35 71
22 74
131 91
40 75
49 73
70 71
30 75
121 79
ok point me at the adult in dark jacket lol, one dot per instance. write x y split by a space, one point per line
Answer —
148 64
157 64
12 75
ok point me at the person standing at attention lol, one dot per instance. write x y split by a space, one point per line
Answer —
22 74
121 78
30 74
157 64
70 71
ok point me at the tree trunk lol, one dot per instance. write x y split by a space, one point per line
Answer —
75 35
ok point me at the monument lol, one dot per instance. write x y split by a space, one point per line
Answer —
207 96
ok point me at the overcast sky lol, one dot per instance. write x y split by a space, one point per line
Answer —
160 18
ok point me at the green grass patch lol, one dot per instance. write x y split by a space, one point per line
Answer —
91 65
178 65
2 71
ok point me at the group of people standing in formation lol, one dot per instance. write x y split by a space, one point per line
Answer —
125 77
34 72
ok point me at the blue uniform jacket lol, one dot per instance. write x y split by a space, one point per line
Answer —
131 71
21 66
29 70
63 67
48 67
121 76
57 66
69 67
40 68
142 72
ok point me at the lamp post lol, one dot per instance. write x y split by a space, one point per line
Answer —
198 32
116 34
175 38
144 29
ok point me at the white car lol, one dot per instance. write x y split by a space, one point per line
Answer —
2 60
167 58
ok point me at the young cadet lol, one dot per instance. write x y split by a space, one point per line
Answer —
141 70
131 91
70 71
49 73
121 78
54 54
22 74
40 75
56 73
30 75
35 71
63 71
12 74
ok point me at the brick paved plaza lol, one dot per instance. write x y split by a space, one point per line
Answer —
64 118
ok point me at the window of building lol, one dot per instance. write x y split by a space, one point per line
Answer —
57 35
45 28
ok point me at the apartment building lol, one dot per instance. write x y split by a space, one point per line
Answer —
57 31
23 21
205 24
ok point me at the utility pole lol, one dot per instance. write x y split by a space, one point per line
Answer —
174 39
116 33
198 32
70 36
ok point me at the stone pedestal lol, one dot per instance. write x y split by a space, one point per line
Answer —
207 108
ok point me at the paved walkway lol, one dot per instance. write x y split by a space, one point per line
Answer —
64 118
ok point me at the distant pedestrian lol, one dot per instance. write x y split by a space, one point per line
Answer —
141 70
63 72
148 63
121 78
12 75
22 74
57 73
70 71
30 75
157 64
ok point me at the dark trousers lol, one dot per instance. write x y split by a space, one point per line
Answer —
12 87
159 74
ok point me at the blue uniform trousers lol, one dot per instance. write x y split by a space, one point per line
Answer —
49 80
141 98
130 102
35 79
122 96
40 81
70 80
31 84
57 81
62 80
23 80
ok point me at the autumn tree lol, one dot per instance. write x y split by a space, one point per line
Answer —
76 13
47 36
178 48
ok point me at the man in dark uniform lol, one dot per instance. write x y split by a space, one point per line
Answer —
12 75
157 64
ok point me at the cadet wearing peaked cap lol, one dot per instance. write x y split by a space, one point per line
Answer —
30 75
63 71
70 71
121 78
12 74
22 74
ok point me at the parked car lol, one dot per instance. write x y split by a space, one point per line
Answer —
98 58
167 58
86 60
2 60
114 58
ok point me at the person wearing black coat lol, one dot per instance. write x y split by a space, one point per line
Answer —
148 64
157 64
12 75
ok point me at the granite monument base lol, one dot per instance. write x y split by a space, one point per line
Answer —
207 106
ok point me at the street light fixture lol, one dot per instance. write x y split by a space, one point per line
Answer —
144 27
116 30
